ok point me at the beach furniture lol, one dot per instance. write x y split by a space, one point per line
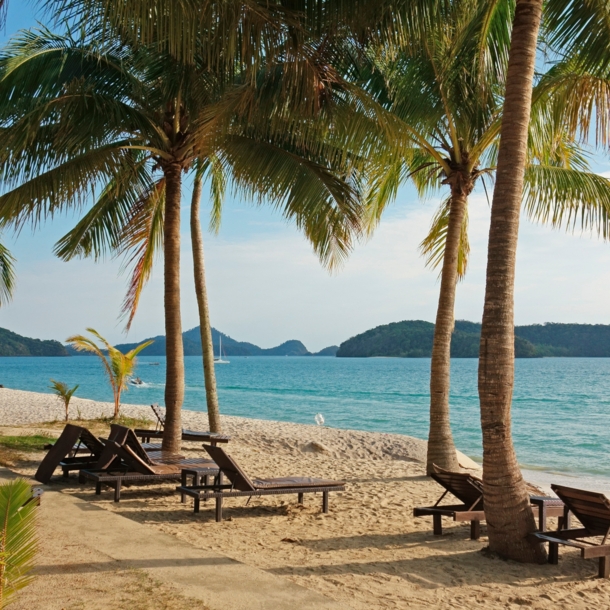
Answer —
593 511
130 463
240 485
187 435
76 448
468 489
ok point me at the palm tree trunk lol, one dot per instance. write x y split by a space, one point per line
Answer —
205 328
441 449
174 376
507 510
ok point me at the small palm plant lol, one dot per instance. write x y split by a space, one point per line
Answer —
119 367
64 393
17 538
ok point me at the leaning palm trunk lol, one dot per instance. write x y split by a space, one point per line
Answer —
507 511
174 380
441 449
205 327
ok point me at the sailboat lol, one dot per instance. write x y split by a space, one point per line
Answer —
219 360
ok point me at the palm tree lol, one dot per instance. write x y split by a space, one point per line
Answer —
506 498
445 94
118 366
132 133
64 393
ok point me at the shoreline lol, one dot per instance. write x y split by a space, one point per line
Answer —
25 407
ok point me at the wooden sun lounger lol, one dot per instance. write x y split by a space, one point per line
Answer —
129 463
241 485
469 490
65 452
187 435
593 511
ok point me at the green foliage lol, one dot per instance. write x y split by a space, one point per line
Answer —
63 392
7 272
413 339
118 366
17 538
12 344
31 443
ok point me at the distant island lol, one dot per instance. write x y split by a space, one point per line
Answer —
407 339
230 347
12 344
413 339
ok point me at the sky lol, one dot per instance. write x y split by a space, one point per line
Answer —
266 285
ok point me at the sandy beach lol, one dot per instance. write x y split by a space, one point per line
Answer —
369 552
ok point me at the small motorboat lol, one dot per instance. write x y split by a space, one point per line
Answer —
136 381
153 364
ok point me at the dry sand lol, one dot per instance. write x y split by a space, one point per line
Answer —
369 551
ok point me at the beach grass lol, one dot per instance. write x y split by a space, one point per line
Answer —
27 443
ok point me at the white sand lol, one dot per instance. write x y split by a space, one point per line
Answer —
369 551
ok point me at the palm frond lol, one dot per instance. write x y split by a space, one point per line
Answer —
566 197
432 247
7 275
18 543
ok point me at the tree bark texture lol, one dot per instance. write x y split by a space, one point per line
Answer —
441 448
207 347
174 376
507 508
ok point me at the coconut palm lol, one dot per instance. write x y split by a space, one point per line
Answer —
506 498
64 393
87 118
446 94
118 366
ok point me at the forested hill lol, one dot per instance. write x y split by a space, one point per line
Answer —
230 347
413 339
12 344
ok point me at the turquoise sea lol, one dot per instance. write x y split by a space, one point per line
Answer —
561 407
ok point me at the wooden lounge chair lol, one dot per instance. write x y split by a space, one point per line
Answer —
76 448
241 485
468 489
593 511
187 435
130 463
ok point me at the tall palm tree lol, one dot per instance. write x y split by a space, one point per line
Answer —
506 500
445 92
118 366
132 133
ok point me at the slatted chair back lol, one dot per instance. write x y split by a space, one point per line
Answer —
132 459
124 436
156 409
91 442
591 508
462 485
63 447
239 479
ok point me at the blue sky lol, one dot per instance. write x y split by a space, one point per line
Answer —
266 285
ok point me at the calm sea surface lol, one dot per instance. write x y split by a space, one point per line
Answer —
561 408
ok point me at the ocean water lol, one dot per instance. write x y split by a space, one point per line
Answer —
561 406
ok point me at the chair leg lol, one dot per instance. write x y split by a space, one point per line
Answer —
196 507
117 490
553 553
437 525
325 502
300 498
604 567
475 530
98 489
218 510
